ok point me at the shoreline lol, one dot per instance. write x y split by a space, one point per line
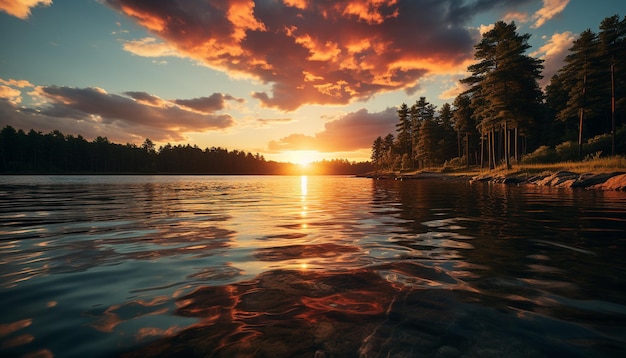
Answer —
611 181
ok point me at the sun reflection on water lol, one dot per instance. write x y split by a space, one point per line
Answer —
304 190
304 182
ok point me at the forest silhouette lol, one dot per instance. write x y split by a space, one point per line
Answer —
57 153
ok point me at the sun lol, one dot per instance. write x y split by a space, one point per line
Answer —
303 157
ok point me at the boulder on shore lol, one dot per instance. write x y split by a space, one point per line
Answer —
616 182
561 179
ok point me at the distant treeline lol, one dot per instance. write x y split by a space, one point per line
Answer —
505 117
54 152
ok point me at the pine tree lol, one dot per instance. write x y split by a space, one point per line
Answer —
422 110
612 38
377 152
581 78
464 124
504 87
447 134
404 129
427 145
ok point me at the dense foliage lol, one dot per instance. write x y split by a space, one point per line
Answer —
505 117
34 152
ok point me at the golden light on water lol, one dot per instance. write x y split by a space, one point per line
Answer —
304 184
304 191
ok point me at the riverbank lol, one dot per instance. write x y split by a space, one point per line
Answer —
598 180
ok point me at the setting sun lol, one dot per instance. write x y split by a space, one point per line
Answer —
313 178
303 157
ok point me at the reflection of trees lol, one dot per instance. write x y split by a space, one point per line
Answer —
516 244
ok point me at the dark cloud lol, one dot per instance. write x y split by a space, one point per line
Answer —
213 103
93 111
318 51
145 97
462 10
356 130
78 103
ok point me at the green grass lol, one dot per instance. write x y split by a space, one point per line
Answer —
595 165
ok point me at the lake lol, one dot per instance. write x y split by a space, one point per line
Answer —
311 266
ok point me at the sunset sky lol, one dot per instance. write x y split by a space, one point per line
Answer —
293 80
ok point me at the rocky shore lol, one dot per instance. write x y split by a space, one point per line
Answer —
560 179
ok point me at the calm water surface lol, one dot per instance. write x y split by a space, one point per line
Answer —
308 267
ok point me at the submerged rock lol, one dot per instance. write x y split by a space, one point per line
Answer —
392 309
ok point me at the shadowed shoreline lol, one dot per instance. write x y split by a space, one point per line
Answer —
561 179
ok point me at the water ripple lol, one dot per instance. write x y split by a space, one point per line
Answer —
322 266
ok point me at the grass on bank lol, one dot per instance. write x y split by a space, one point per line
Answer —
593 165
549 159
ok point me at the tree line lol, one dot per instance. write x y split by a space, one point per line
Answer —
55 152
504 116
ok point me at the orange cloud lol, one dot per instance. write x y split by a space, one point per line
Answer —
550 9
149 47
300 4
354 131
10 94
150 22
9 90
241 15
313 51
553 52
21 8
16 83
370 11
455 90
516 16
483 29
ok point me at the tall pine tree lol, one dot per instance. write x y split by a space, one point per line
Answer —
504 88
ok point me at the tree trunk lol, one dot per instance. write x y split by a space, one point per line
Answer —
482 150
580 122
612 109
507 149
516 145
467 153
458 140
580 134
493 148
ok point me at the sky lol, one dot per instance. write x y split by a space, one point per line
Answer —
292 80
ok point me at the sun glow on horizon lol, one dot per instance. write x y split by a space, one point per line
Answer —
303 157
